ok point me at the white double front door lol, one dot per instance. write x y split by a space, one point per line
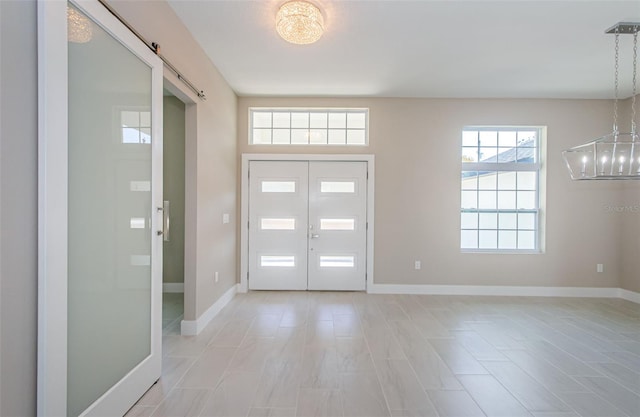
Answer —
307 225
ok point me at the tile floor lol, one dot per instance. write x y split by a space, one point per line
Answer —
354 354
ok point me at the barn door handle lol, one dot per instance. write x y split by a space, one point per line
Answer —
165 220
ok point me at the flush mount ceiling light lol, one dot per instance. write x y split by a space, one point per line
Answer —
79 28
615 156
299 22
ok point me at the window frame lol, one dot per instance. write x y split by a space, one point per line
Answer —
327 129
504 167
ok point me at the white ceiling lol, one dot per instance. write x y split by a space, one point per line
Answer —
420 48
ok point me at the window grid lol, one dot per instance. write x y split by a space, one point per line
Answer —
512 176
517 229
320 127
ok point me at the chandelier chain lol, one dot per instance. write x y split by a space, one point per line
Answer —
633 97
615 91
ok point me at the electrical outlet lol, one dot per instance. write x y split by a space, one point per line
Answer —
418 265
600 268
225 218
216 276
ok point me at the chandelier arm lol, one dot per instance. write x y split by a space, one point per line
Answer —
633 103
613 155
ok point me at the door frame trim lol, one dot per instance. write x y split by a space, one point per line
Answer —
244 203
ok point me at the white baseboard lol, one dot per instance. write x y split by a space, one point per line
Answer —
172 287
630 295
499 290
194 327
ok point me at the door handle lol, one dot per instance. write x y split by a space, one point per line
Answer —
166 208
314 236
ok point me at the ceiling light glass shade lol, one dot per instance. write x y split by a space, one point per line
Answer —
611 157
299 22
79 28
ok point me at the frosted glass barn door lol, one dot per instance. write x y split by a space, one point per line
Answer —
100 190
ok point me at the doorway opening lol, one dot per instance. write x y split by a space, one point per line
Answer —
173 213
179 174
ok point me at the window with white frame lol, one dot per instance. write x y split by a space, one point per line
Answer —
300 126
500 193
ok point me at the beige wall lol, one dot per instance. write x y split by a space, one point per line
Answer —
19 208
628 213
416 143
173 188
211 160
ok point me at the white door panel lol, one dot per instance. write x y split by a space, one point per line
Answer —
278 225
337 224
307 225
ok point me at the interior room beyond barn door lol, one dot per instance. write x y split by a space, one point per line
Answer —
174 210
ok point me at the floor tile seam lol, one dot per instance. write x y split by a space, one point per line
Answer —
226 370
390 334
165 398
179 318
459 345
306 331
415 374
508 391
606 401
549 340
424 339
205 400
180 377
535 378
635 390
595 334
239 343
155 407
377 373
545 387
598 339
195 360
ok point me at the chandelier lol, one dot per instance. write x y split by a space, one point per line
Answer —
299 22
615 156
79 28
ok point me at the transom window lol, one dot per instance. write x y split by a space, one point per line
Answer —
500 193
308 126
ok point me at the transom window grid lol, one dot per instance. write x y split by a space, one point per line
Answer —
500 190
326 127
